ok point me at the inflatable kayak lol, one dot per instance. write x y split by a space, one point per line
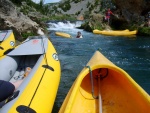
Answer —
7 41
102 87
115 33
38 90
62 34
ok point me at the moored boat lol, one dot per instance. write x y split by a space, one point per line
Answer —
62 34
103 87
115 33
7 41
38 90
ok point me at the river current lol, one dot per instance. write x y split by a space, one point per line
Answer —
132 54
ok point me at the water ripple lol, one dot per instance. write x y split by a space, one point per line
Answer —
132 55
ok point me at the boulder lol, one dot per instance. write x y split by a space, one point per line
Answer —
11 18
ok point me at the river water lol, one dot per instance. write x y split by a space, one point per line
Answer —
132 54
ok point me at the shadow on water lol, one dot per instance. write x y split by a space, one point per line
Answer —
129 53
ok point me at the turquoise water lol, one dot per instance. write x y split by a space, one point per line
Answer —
129 53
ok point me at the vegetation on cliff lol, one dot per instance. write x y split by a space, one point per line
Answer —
23 17
92 11
144 31
127 16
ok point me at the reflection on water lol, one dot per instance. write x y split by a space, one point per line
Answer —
130 54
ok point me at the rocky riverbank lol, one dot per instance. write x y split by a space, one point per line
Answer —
129 14
25 20
22 25
96 21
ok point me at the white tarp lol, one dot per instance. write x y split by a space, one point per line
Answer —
31 46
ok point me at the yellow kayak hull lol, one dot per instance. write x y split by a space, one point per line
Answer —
39 89
115 33
8 43
44 99
119 92
62 34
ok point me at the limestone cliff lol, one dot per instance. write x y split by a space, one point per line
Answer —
128 11
12 18
133 10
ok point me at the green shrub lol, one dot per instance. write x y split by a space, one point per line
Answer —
88 5
26 35
76 1
91 7
65 6
63 17
39 7
144 31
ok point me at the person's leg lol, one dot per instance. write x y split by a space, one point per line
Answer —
108 21
148 22
6 89
17 83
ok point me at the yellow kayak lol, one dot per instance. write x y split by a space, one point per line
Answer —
102 87
62 34
7 41
38 90
115 33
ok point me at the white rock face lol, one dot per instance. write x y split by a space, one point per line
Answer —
40 32
14 18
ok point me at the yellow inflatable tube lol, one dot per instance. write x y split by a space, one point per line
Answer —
62 34
115 32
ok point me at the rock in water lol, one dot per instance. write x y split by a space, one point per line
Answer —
40 32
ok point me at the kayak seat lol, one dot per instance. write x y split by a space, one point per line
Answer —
8 67
25 62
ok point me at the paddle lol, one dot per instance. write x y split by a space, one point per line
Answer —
102 73
99 95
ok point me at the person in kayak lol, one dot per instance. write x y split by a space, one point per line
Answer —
108 14
79 35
